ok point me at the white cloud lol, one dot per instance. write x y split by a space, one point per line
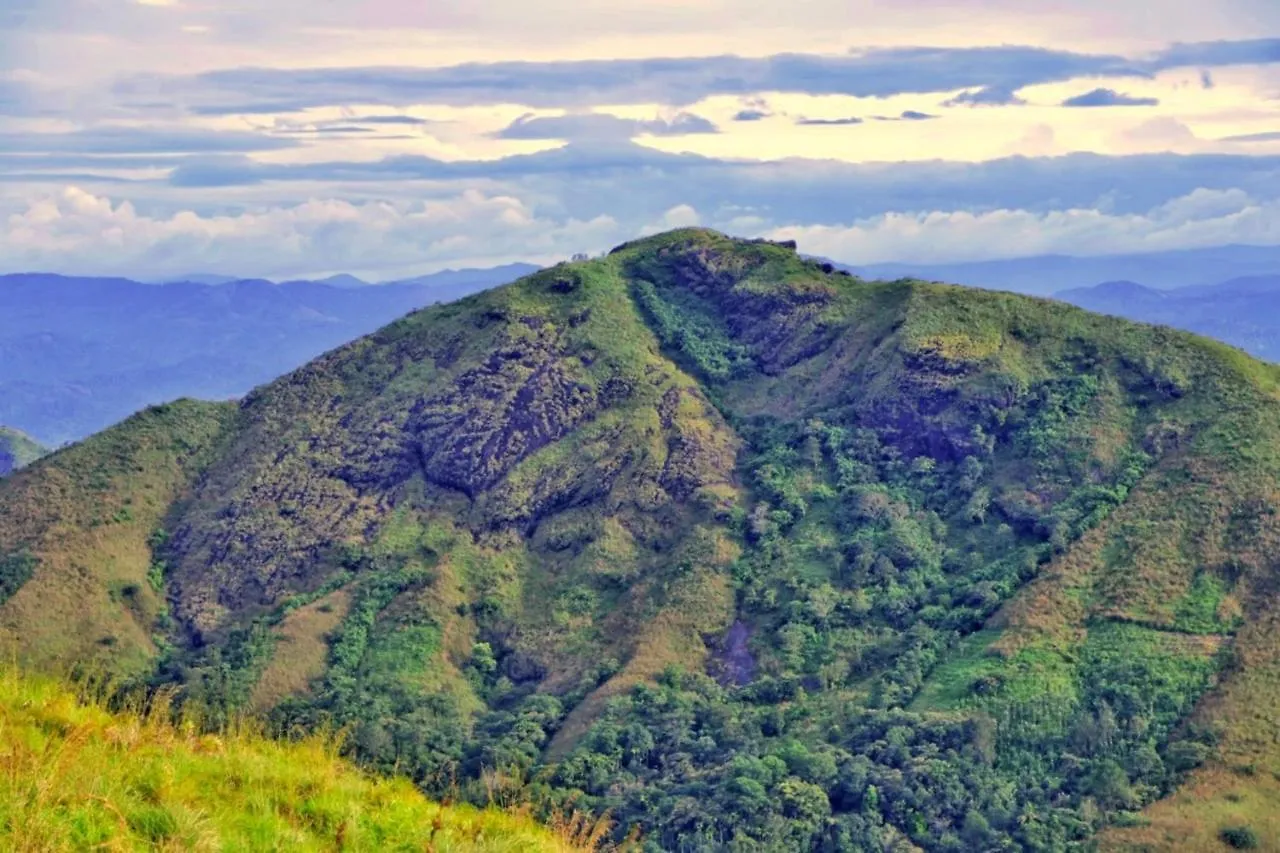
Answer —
77 232
1198 219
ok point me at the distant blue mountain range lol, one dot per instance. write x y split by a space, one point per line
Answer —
1231 293
1244 312
78 354
1045 275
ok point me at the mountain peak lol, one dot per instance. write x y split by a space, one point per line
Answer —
693 237
1109 291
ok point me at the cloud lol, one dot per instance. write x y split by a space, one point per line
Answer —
1165 131
1108 98
751 115
829 121
603 126
880 72
392 120
1200 219
326 129
680 216
907 115
16 98
109 139
348 124
1265 136
982 75
78 232
1217 54
987 96
628 180
1038 141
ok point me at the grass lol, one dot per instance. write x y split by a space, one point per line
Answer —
301 650
74 776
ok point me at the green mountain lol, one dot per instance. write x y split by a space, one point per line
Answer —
17 450
748 553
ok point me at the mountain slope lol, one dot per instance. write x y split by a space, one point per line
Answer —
126 780
743 551
17 450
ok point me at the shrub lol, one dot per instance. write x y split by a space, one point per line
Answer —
1239 837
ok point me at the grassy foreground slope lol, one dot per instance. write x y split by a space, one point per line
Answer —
74 776
747 553
17 450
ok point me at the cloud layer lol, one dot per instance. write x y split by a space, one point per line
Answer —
79 232
153 138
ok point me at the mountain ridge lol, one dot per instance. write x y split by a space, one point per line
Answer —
1243 312
723 541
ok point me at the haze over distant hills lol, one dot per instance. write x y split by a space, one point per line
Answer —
1044 275
82 353
1244 312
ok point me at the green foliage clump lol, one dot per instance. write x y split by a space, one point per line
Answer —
693 333
1239 837
15 570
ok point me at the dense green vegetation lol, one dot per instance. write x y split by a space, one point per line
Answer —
749 555
17 450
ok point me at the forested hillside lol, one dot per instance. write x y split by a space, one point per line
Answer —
748 553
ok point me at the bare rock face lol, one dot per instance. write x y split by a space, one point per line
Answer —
524 397
701 450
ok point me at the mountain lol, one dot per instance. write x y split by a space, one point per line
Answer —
1046 274
1244 312
80 354
1254 285
471 279
17 450
200 278
130 780
745 553
352 281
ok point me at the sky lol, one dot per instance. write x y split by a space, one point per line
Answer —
387 138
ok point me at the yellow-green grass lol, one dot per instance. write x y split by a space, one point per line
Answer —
74 776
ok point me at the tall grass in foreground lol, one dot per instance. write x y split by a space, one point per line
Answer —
74 776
